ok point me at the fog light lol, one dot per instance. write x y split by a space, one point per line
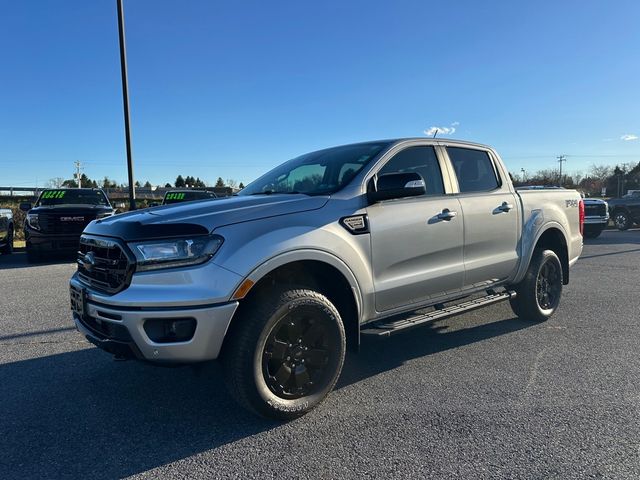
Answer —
170 330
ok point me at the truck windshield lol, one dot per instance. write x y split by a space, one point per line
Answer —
317 173
72 197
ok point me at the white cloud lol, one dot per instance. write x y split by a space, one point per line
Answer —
629 137
442 130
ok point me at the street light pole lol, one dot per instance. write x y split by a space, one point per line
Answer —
125 101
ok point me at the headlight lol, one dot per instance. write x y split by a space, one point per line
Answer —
178 252
33 221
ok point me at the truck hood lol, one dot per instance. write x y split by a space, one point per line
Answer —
201 217
593 201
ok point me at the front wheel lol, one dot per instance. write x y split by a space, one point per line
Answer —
538 294
284 353
622 220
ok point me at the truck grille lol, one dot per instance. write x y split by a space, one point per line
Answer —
599 210
64 223
104 264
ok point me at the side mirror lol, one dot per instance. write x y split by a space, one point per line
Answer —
25 206
397 185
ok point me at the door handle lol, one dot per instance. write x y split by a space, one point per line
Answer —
505 207
447 215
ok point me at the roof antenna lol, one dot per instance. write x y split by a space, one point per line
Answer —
435 133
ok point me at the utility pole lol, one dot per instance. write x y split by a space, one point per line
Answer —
78 168
125 102
524 175
561 158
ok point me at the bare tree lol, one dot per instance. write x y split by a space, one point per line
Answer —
231 183
55 182
600 172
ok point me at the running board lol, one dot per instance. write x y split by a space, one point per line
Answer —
387 327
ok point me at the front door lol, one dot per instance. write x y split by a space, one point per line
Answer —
416 251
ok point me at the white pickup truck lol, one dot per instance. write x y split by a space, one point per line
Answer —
365 239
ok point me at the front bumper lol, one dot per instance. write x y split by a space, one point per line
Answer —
120 329
51 242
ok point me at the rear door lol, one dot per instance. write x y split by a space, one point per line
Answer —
491 216
415 254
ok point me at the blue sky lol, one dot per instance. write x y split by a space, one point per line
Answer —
231 89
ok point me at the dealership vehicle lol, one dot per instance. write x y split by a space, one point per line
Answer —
364 239
187 195
58 218
625 211
596 217
6 231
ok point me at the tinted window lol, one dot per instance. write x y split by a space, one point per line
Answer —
421 160
474 169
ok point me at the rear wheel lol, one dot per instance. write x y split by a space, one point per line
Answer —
538 294
284 353
622 220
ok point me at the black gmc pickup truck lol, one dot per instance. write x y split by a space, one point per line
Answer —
625 211
58 218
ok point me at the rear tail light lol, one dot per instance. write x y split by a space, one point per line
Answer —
581 215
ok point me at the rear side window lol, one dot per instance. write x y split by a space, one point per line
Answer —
421 160
474 169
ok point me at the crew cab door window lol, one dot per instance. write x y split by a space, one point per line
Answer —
474 169
421 160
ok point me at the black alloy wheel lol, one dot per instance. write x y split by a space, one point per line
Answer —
284 351
296 359
538 293
548 286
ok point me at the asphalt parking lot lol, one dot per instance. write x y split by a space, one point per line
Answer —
483 395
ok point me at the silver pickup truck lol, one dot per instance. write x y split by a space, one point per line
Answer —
365 239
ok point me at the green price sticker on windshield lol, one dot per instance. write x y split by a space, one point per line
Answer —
53 194
175 196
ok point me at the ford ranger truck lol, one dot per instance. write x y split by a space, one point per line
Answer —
369 239
55 223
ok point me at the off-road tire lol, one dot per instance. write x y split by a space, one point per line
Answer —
246 354
622 220
527 304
